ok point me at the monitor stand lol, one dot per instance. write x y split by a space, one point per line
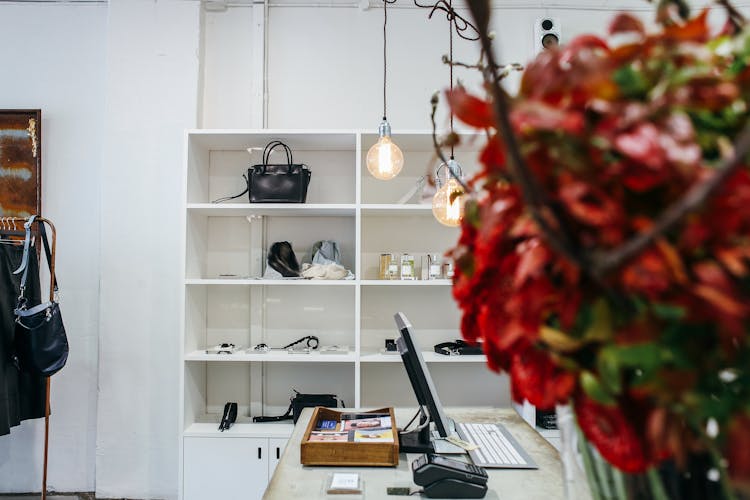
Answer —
417 441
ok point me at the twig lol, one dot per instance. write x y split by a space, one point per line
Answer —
533 195
461 24
439 149
735 16
690 201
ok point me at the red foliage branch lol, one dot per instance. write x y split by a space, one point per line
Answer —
539 207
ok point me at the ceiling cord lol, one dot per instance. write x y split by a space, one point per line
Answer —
450 63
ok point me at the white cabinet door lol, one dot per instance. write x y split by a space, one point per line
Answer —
224 468
275 449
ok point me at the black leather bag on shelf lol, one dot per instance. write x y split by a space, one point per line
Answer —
278 183
301 401
41 344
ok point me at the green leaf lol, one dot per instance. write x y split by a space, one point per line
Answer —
644 356
600 327
471 213
595 389
668 312
632 83
609 369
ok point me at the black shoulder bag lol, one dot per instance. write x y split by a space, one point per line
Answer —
300 401
41 344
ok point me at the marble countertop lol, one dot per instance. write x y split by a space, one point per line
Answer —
293 480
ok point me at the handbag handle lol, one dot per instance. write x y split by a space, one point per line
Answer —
271 146
24 267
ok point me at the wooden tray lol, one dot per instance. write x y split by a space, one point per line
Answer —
348 453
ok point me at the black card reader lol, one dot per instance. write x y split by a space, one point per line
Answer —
443 477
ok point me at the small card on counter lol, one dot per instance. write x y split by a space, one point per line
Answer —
344 483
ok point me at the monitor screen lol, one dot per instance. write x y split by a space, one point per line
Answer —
419 376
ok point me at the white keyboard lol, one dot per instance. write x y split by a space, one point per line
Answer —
497 448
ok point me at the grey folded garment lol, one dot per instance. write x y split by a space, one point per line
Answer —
325 272
326 252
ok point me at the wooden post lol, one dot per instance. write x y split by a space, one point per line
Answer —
46 441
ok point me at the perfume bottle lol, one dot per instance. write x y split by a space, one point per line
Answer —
435 266
424 267
448 269
407 267
389 268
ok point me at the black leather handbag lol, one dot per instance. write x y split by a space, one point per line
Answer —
41 344
278 183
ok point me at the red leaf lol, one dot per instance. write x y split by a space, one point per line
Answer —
470 109
493 155
535 377
625 23
648 274
639 178
722 301
738 453
734 260
530 116
534 258
587 203
695 29
582 43
642 145
613 434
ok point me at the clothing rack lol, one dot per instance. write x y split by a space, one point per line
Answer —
9 227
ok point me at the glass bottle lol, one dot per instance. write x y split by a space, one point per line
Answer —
407 267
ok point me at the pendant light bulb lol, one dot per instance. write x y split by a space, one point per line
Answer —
384 159
448 202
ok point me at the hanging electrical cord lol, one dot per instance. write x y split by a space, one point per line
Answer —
451 21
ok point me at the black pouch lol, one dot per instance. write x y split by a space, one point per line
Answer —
278 183
301 401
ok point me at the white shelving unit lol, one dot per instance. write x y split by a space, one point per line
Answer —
226 301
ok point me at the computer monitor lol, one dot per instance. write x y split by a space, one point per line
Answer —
419 376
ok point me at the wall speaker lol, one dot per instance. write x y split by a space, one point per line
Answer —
546 34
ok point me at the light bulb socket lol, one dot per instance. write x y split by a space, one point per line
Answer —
455 169
384 130
454 172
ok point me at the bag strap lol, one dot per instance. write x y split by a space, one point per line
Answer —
271 146
50 254
54 289
227 198
286 416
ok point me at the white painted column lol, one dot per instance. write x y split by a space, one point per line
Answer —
151 98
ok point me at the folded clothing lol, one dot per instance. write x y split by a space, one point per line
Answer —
325 272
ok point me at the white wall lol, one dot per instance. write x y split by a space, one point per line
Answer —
151 97
53 58
228 79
